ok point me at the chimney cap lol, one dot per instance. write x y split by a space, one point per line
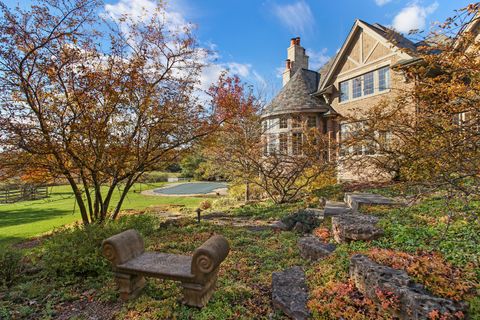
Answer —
297 41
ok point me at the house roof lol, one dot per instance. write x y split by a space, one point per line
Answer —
378 31
296 95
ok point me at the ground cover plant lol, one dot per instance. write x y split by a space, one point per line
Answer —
66 274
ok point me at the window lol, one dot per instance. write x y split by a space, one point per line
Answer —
357 87
265 125
283 143
283 123
265 147
383 79
272 145
348 145
312 121
368 83
344 92
296 122
296 143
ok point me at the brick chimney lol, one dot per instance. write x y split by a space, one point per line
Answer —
296 59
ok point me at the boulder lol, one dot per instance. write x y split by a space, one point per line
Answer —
353 227
413 301
314 249
290 293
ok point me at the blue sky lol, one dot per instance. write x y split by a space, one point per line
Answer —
250 37
255 33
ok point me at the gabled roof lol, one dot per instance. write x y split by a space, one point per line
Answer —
296 95
381 33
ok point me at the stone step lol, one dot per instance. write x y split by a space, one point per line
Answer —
355 227
290 292
414 302
313 248
356 200
333 208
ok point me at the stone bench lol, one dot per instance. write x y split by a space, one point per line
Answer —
197 273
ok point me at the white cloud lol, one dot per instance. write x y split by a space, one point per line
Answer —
382 2
297 17
143 10
175 20
317 58
413 17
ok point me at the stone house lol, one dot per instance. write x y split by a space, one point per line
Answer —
357 78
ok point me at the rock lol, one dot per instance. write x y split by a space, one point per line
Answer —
355 200
290 292
414 302
313 248
352 227
279 225
333 208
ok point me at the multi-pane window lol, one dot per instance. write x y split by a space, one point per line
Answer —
365 84
283 123
283 143
296 122
311 121
368 83
265 125
349 145
296 143
357 87
383 79
344 90
272 145
265 147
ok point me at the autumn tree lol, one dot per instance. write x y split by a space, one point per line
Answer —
430 135
96 101
238 148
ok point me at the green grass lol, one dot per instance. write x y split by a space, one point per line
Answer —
23 220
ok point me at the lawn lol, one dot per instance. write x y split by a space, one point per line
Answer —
22 220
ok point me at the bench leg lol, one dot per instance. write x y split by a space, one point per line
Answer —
129 285
197 295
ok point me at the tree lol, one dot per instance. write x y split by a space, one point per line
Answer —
94 101
430 135
238 147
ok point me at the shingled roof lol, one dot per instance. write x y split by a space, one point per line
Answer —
296 95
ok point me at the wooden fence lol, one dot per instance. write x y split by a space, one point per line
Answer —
11 195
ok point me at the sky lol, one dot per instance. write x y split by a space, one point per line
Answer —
250 37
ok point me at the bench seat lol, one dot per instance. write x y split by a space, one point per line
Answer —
197 273
160 265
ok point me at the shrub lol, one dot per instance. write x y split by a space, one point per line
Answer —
10 266
237 191
154 177
205 205
330 191
76 252
303 221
